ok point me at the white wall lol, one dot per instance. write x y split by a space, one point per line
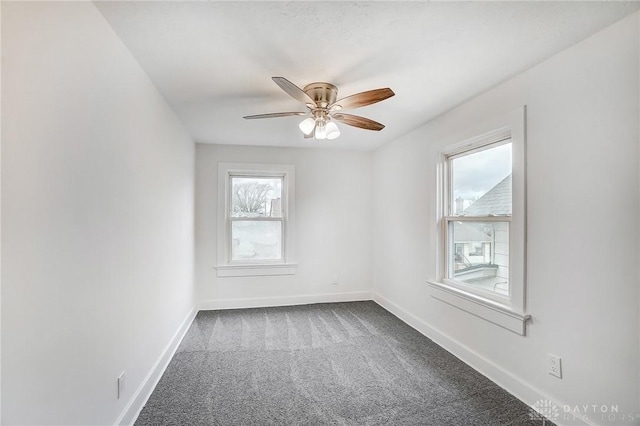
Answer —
97 199
583 209
333 227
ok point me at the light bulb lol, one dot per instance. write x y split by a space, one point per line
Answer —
307 126
332 130
321 129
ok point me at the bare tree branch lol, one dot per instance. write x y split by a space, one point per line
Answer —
249 198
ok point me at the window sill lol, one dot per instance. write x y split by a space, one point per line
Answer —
484 308
256 270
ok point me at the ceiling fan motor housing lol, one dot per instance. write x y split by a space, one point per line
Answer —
323 94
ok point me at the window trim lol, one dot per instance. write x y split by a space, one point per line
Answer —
507 312
226 266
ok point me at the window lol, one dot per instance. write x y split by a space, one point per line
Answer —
481 219
255 219
477 218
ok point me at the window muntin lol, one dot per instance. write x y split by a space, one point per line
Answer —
478 217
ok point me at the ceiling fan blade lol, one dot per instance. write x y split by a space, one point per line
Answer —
274 115
357 121
294 91
362 99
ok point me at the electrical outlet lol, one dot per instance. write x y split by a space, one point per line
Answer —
334 280
121 385
555 365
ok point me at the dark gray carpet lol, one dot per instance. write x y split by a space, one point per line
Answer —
326 364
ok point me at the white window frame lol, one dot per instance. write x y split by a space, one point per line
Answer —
505 311
226 267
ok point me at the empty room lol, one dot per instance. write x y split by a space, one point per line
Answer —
320 213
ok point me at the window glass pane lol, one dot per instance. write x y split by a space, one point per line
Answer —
256 197
482 182
479 255
256 240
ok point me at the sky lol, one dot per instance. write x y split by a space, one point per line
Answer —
475 174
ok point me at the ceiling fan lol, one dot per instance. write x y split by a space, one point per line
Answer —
323 108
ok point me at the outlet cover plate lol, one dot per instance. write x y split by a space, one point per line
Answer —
554 365
120 385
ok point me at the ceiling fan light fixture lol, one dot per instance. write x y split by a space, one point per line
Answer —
321 129
307 125
332 130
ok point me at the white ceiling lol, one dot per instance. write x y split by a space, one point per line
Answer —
213 61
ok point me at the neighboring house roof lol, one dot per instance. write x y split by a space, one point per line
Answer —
496 201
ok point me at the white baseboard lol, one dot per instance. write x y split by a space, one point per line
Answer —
263 302
503 378
142 394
